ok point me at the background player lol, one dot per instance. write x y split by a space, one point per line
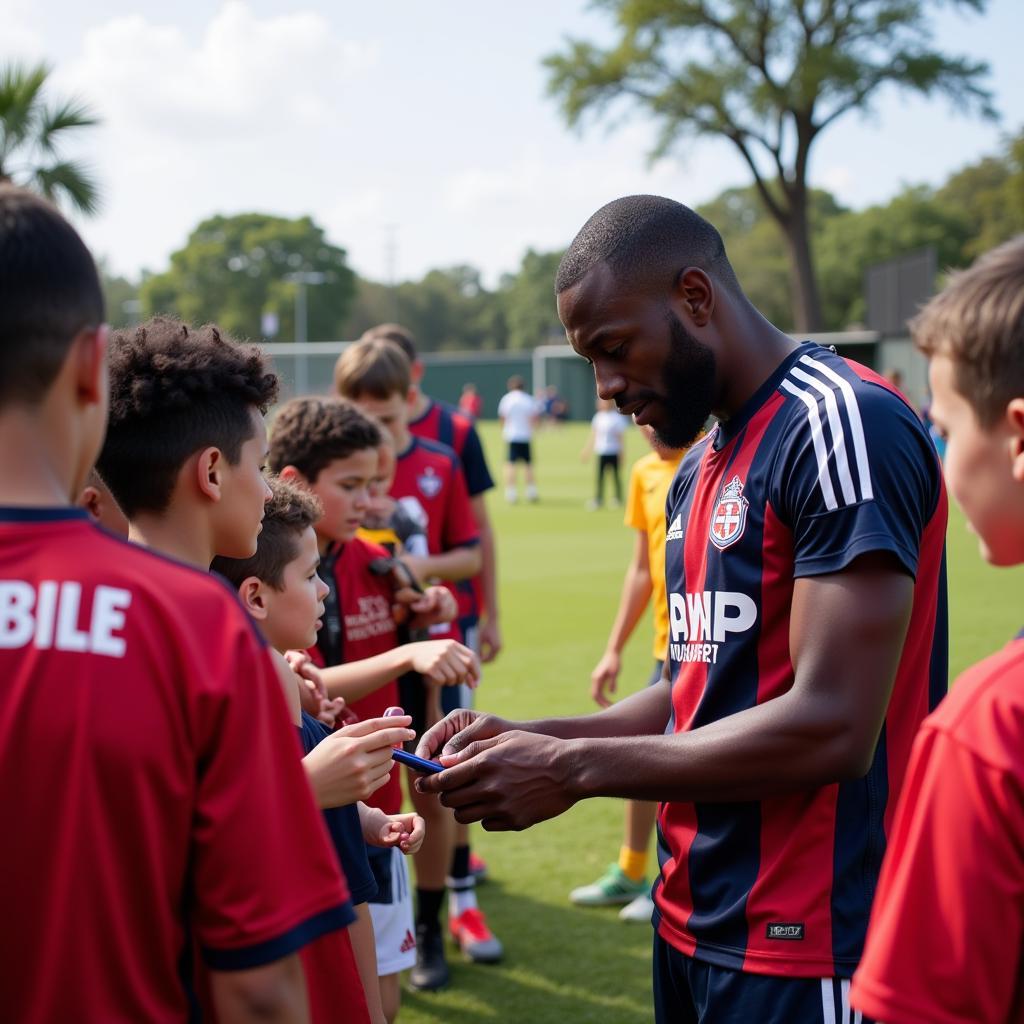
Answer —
804 571
946 941
111 658
649 481
518 413
605 441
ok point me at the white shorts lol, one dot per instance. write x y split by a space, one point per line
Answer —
392 917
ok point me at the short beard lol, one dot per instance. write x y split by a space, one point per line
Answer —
688 381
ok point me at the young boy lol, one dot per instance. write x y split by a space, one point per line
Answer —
376 374
605 441
946 940
145 755
330 448
184 458
280 588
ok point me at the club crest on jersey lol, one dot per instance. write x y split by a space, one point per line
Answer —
729 518
429 483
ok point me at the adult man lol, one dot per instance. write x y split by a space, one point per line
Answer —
518 413
805 582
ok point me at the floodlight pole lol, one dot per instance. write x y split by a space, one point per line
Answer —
302 278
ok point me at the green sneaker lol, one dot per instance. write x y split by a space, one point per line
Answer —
613 887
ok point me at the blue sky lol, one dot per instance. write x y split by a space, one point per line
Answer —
422 122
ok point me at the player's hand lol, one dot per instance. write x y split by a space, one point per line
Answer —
603 678
434 606
333 712
445 662
460 728
509 781
354 761
490 640
312 691
406 831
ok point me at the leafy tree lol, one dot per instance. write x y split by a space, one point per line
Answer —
989 195
121 297
233 269
31 133
528 299
767 75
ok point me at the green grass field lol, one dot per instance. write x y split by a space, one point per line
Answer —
560 570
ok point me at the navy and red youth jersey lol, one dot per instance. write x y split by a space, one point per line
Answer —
430 483
449 427
824 463
150 781
358 623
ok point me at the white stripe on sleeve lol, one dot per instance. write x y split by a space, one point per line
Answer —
818 441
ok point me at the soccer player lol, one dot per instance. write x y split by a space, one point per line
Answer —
625 881
375 373
605 441
147 771
518 413
281 590
805 581
946 941
478 617
330 448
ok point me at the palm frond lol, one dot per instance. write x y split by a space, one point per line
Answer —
70 182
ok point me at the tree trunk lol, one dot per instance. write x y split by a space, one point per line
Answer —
803 283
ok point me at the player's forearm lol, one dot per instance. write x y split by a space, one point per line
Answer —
636 593
489 571
356 679
789 744
455 565
641 714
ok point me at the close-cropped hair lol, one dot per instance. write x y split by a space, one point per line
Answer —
646 240
372 368
310 433
175 390
49 293
286 517
400 335
977 320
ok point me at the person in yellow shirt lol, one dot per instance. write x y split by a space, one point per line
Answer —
626 882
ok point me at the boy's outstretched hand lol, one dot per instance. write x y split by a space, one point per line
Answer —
354 761
406 831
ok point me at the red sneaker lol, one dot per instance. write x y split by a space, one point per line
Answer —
474 938
477 867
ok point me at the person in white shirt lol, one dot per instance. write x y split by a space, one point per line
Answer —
605 441
518 413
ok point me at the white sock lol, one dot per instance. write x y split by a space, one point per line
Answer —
461 895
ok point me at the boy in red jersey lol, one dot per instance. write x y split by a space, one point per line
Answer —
946 941
184 457
376 374
141 711
280 588
478 616
330 448
805 578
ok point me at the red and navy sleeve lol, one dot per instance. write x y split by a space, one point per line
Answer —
266 881
855 473
474 464
460 529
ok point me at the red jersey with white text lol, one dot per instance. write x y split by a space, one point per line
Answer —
450 427
825 463
946 941
358 623
430 485
150 782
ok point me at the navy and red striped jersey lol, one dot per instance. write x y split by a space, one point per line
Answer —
359 623
150 780
823 464
430 485
446 425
